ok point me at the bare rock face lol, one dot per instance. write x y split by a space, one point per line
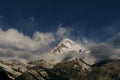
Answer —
11 68
71 69
44 63
3 75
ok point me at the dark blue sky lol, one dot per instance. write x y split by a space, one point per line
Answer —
93 19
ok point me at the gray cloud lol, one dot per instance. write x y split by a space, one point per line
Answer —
107 50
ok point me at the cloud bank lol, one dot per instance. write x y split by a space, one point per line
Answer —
16 40
17 45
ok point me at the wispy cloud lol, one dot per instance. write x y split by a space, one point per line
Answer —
63 32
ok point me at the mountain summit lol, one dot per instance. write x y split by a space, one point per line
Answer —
66 46
71 49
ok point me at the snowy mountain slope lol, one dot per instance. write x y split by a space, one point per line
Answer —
66 46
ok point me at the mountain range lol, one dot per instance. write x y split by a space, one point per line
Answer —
69 61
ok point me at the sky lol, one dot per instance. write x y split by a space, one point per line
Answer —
29 28
87 18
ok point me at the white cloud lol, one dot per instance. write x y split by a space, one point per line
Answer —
16 40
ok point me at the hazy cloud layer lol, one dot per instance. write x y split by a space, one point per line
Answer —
107 50
16 45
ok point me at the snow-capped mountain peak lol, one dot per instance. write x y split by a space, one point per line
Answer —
66 46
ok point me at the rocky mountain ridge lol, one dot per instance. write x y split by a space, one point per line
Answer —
39 70
72 69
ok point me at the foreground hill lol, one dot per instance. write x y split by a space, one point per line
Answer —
72 69
69 69
108 71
